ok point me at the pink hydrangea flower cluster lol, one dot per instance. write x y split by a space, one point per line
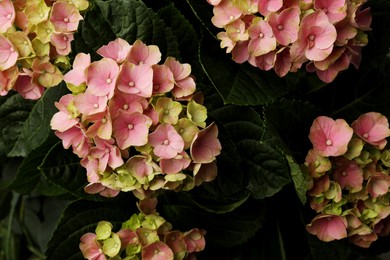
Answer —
143 236
136 125
35 37
325 35
349 179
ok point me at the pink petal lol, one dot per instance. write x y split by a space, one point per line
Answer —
206 146
136 79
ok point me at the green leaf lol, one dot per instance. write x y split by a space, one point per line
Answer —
185 34
13 112
62 169
126 19
28 174
81 217
203 11
36 129
240 84
298 179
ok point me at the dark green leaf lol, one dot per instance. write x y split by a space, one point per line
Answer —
62 168
298 179
81 217
36 129
240 84
203 11
14 110
129 20
28 174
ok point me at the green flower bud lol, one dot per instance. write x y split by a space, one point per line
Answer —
197 113
355 147
133 223
385 158
132 251
153 222
103 230
334 192
112 245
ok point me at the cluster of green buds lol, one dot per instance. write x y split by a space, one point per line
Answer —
144 236
35 39
349 179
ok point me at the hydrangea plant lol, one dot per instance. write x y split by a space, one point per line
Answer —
197 129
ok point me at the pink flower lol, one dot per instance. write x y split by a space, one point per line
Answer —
175 241
364 240
140 53
266 61
77 75
107 154
316 37
184 83
176 164
7 79
283 62
349 175
285 25
63 120
94 188
373 128
25 86
91 248
61 41
89 104
7 15
75 137
101 125
336 10
240 52
141 166
262 39
101 77
136 79
205 145
378 184
127 102
131 129
194 240
163 80
320 185
328 227
205 172
166 141
91 165
330 137
8 54
214 2
268 6
225 13
116 50
65 17
157 251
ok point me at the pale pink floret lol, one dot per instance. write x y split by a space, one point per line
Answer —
101 125
285 25
269 6
89 104
107 153
127 102
373 128
364 240
205 146
336 10
240 52
157 251
205 172
163 80
265 61
330 137
97 187
63 119
25 86
166 141
184 83
65 17
75 137
225 13
140 53
101 77
226 42
195 240
236 31
77 75
61 41
176 164
116 50
316 37
7 15
283 62
91 165
349 176
328 227
136 79
131 129
378 184
8 53
262 39
214 2
361 18
91 248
